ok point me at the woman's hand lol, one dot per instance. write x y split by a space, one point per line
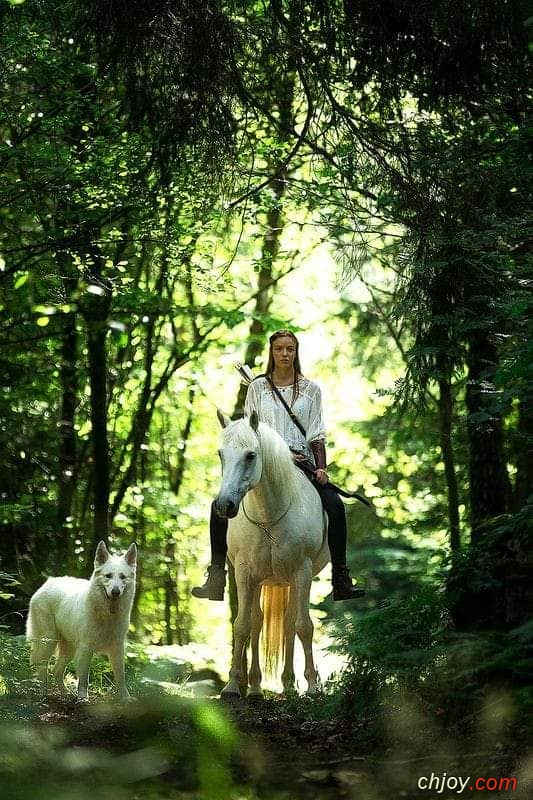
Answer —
321 476
298 456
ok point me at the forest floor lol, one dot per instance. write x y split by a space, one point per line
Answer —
182 748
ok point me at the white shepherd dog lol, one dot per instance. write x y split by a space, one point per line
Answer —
76 618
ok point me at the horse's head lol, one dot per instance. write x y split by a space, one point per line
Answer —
240 456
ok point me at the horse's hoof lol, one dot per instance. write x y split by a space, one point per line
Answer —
230 696
255 697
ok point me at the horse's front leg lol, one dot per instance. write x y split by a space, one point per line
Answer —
241 634
304 624
257 623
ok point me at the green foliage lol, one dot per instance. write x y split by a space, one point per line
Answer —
106 752
7 582
411 649
15 674
392 646
148 743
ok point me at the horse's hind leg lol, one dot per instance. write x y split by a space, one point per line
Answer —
304 625
257 623
287 676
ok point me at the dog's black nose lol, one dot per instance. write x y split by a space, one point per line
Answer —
115 592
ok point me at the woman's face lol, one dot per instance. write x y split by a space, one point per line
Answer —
284 352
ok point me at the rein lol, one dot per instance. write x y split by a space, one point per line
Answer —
263 525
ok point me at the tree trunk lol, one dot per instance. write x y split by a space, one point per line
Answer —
485 586
490 488
171 595
67 438
140 539
284 99
445 422
256 344
140 424
96 312
265 283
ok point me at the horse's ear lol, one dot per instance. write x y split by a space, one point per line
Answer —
254 421
222 418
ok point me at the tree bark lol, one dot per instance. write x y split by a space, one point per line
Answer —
283 95
265 284
490 488
255 345
445 423
96 312
485 588
171 594
67 438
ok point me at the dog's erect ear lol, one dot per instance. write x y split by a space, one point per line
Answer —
222 418
101 555
254 421
130 555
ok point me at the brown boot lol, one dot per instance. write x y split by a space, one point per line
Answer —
343 586
213 588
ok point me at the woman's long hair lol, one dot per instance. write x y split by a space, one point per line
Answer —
297 366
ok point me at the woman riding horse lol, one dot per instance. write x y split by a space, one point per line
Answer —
292 405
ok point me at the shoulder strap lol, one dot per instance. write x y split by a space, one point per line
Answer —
280 397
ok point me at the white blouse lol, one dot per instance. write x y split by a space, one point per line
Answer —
307 407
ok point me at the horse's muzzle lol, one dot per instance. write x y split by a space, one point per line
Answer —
226 509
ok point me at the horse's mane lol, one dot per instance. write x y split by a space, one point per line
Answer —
277 459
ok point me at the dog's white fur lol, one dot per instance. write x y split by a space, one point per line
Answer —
76 618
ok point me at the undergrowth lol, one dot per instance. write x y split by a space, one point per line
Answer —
408 672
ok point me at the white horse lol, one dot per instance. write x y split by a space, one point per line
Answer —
276 543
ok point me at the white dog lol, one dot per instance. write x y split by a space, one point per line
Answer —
76 618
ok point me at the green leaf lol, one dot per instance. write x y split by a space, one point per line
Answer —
21 280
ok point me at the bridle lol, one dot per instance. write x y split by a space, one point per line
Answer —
262 525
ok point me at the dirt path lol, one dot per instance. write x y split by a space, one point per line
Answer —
170 747
304 758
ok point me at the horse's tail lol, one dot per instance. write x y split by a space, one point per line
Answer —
275 600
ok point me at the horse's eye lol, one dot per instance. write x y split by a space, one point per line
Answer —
250 455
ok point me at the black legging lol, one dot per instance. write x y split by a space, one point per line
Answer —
334 508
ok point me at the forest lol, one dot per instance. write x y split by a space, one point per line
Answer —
180 180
